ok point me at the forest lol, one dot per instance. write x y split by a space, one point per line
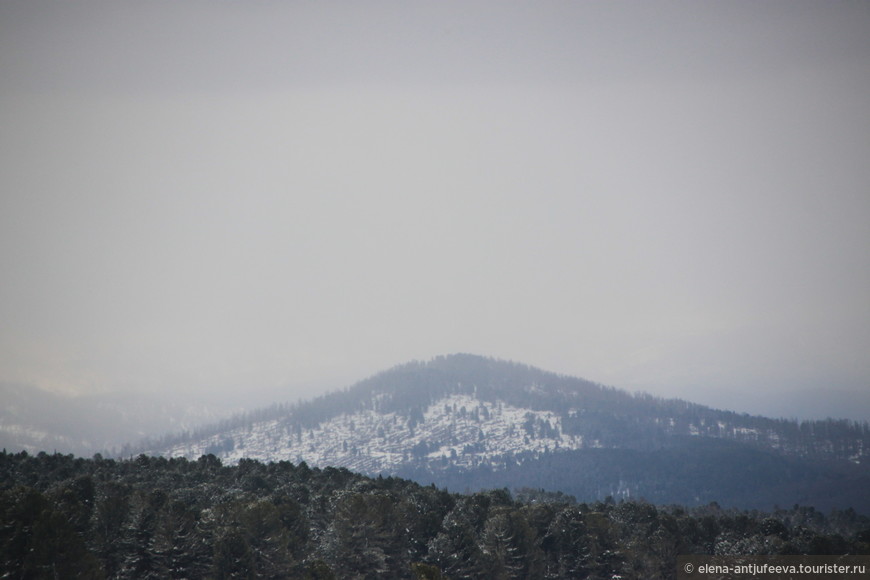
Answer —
150 517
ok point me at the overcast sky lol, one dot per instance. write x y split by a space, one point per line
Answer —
208 197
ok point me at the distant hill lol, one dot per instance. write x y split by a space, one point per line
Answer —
34 420
468 423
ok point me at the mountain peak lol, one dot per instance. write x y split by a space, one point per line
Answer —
472 421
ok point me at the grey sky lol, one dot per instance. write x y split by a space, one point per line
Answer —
662 196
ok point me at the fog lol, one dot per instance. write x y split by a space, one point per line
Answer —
281 198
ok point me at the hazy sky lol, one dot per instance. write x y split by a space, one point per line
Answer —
671 197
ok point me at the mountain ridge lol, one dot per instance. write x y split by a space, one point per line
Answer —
467 421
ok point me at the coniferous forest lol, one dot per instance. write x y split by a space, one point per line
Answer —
149 517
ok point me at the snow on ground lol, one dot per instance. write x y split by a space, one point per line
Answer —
459 429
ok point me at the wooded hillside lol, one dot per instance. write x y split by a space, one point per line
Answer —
68 517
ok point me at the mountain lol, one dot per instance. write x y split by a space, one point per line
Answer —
468 422
33 419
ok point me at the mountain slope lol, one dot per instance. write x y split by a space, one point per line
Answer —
471 422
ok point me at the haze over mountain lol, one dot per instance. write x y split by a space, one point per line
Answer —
219 197
471 422
35 420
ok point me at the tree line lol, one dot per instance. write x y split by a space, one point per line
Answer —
152 517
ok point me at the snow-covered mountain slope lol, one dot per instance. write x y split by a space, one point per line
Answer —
469 422
469 409
458 428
